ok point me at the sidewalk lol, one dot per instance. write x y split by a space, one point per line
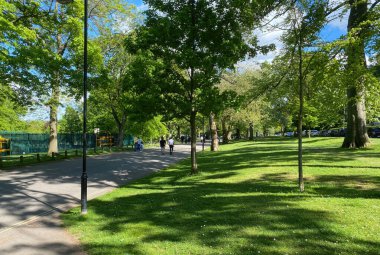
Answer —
32 197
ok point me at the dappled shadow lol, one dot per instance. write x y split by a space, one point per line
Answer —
263 214
353 186
271 212
36 190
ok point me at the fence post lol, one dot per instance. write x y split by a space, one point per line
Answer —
65 153
21 159
38 157
53 155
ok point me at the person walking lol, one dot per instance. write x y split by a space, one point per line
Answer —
162 145
171 145
140 144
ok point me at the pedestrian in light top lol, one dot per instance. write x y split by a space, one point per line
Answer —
171 145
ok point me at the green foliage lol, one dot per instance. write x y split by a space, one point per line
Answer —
36 127
150 129
71 121
10 111
194 42
99 116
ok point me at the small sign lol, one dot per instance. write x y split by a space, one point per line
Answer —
65 1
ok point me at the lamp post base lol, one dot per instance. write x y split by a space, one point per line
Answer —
84 193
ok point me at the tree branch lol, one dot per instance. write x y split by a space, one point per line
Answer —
373 5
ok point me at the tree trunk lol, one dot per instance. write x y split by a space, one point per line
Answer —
225 131
178 132
356 133
229 134
214 133
121 136
238 135
121 129
53 122
194 167
300 116
251 131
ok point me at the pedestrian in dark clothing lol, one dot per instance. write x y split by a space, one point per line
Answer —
162 144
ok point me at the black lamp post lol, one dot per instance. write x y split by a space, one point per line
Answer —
204 136
85 67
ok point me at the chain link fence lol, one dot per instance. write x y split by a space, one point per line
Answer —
25 143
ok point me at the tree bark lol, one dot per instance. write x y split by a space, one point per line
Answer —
251 131
194 166
300 116
178 131
53 105
121 132
356 133
193 86
225 131
214 133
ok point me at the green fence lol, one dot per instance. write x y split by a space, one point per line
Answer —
25 143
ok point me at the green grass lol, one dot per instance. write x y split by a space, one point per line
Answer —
244 201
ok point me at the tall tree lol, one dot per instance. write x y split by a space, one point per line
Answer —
53 59
306 19
111 19
361 40
109 92
196 40
358 28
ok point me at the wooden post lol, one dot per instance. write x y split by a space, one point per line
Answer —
53 155
38 157
21 159
65 153
76 152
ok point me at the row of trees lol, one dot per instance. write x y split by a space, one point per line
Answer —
176 61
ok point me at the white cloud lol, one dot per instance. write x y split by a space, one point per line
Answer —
269 34
142 7
272 33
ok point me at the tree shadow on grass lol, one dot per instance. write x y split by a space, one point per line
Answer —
232 218
260 157
339 186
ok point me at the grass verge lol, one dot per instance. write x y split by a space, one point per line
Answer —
244 201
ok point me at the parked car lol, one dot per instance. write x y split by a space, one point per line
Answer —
374 132
289 134
342 132
314 132
325 133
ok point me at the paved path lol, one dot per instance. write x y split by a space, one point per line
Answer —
31 198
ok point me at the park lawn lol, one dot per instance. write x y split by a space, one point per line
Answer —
244 201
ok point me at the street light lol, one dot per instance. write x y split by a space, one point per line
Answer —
204 136
85 67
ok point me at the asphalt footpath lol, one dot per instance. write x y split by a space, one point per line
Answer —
32 197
